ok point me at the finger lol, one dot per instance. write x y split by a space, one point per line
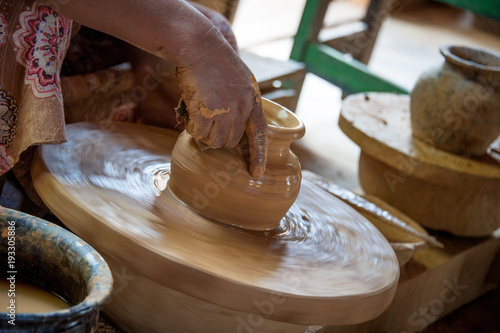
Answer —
199 127
236 133
201 146
256 129
217 136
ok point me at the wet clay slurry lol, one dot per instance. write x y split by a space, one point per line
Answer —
29 298
325 263
57 261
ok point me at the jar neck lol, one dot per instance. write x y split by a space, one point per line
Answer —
278 150
474 63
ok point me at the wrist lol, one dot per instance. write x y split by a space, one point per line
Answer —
199 46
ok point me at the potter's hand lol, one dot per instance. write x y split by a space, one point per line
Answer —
223 102
222 98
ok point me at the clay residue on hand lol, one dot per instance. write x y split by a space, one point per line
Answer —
256 89
207 113
193 129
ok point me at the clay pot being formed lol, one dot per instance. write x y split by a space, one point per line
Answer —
456 106
216 182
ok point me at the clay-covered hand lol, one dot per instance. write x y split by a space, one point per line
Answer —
223 102
221 95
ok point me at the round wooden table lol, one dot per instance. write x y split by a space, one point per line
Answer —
439 189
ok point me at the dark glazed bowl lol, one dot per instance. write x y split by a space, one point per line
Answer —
56 260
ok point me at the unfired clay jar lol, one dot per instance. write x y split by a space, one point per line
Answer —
456 106
216 182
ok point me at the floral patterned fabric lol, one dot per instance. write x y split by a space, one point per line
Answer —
42 40
33 43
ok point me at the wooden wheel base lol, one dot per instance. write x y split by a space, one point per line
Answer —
325 264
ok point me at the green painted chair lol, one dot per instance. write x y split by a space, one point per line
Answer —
348 69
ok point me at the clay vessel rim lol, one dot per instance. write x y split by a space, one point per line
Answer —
449 52
293 125
99 281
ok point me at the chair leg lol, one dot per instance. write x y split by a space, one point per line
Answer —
377 12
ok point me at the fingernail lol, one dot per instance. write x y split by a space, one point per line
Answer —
258 171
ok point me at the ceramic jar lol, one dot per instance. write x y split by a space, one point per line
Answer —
56 260
456 106
216 183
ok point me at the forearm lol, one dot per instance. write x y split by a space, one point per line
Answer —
170 29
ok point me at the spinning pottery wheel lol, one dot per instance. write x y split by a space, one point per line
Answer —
176 270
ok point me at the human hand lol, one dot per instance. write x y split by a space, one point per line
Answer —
223 101
222 97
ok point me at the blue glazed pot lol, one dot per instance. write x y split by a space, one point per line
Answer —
56 260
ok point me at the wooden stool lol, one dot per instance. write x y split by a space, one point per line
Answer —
438 189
